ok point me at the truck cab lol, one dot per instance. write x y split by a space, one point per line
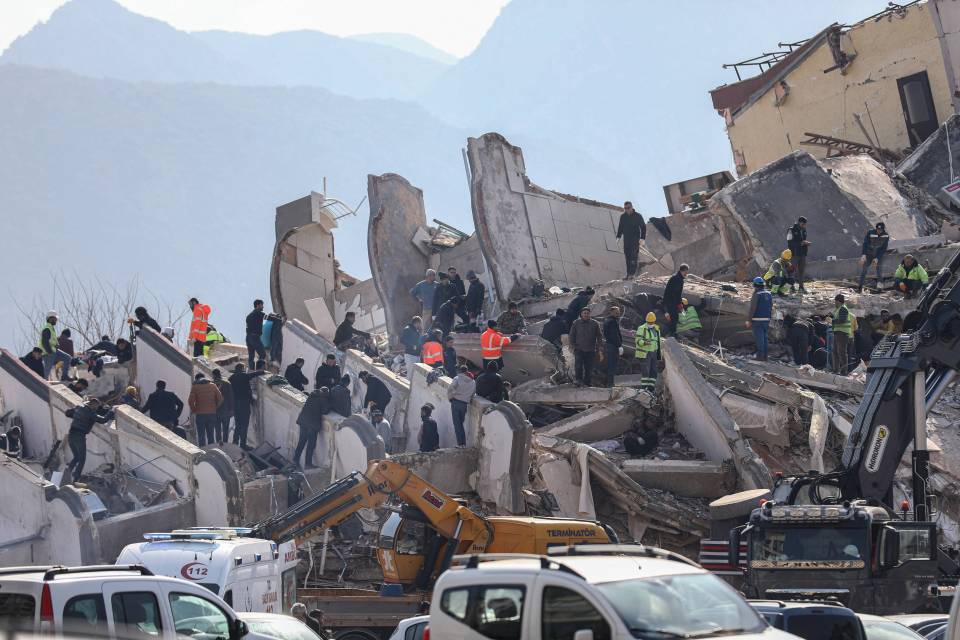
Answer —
250 574
854 554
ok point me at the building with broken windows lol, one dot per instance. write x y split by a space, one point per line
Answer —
880 86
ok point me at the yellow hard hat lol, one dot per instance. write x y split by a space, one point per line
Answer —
684 301
651 316
787 254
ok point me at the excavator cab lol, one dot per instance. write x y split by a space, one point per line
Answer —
402 548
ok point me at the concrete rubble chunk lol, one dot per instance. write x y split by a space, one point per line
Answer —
601 421
806 376
760 420
695 478
543 391
525 359
930 164
503 473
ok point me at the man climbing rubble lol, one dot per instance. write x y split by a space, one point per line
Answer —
647 351
632 229
613 341
586 340
164 407
377 393
874 247
490 384
198 325
492 343
780 274
673 297
83 418
340 399
761 310
688 325
555 328
579 302
910 277
328 373
254 339
800 338
799 245
294 374
242 399
310 422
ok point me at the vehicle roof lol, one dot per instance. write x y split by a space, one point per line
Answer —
599 569
407 622
775 606
35 574
869 617
262 615
914 618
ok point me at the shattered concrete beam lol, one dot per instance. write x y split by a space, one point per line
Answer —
693 478
673 518
527 358
806 376
601 421
543 391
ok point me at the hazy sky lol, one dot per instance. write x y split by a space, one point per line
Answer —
455 26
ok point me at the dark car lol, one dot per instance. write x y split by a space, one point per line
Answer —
811 620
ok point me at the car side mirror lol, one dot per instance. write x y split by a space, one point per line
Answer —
889 548
583 634
238 629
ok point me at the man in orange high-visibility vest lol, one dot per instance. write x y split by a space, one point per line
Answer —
432 352
198 326
492 343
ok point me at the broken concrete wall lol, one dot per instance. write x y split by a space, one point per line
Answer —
26 393
277 412
354 362
504 461
364 301
704 422
603 420
465 256
453 471
397 213
695 478
300 340
356 443
302 272
23 519
160 359
103 446
712 245
930 164
72 537
526 359
118 531
436 394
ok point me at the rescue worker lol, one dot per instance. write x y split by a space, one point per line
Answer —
492 343
586 340
34 361
52 354
647 351
581 300
801 337
474 302
490 384
310 421
410 339
632 229
672 297
143 319
842 334
443 292
761 310
512 321
83 418
798 244
780 274
688 325
874 247
344 333
909 277
242 399
213 337
613 343
254 336
432 352
198 325
447 313
429 436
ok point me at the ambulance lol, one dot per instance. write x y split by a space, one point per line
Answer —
250 574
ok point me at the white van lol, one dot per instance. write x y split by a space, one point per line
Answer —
114 602
250 574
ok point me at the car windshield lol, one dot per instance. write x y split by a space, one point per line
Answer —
282 629
789 545
686 606
888 630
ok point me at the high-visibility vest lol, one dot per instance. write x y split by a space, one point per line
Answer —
198 326
648 340
212 336
492 343
53 338
688 320
845 327
432 352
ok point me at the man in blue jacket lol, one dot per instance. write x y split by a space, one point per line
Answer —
761 309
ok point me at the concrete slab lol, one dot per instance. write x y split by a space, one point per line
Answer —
454 471
806 376
543 391
694 478
767 422
929 166
525 359
600 422
504 461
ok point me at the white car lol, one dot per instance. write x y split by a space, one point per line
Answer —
590 592
411 628
115 602
275 625
880 628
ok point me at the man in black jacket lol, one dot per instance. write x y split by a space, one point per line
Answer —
310 421
255 334
328 374
798 244
613 343
410 339
632 229
578 304
34 361
242 399
344 333
457 282
164 407
294 374
429 433
474 302
340 397
377 392
874 247
143 319
555 327
673 297
490 384
443 292
445 316
83 419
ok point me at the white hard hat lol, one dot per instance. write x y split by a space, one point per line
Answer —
52 314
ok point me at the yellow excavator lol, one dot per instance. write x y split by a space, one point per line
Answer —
419 542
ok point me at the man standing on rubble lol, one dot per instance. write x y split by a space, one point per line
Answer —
294 374
429 436
165 408
457 282
410 339
377 392
310 422
613 341
225 410
688 326
340 399
579 302
761 310
512 321
673 297
423 293
586 339
460 393
490 384
800 337
328 373
647 351
474 302
842 334
798 244
443 292
632 229
254 337
874 248
83 418
447 314
431 354
49 344
492 343
204 400
198 325
242 399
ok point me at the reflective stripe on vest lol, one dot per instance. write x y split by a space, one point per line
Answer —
198 326
492 343
845 327
648 340
53 338
432 353
688 321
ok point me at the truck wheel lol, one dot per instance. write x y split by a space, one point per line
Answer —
358 634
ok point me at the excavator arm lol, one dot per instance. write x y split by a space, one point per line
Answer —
373 488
